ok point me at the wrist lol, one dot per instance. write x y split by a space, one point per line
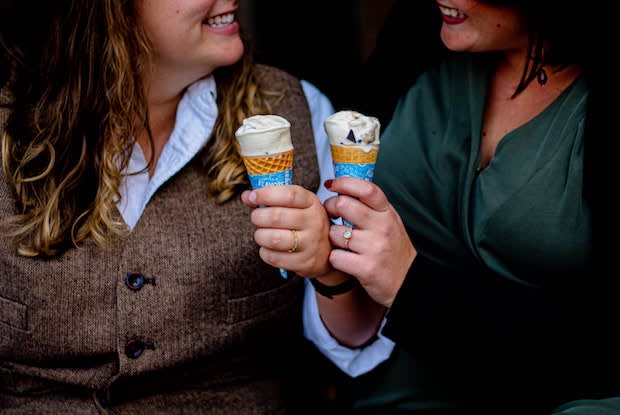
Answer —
330 287
332 277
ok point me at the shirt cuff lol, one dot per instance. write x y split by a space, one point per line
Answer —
353 362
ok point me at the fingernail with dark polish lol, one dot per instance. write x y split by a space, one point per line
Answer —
328 183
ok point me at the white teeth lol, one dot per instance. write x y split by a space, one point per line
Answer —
451 12
223 20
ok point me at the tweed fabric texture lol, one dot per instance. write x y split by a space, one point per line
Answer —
219 323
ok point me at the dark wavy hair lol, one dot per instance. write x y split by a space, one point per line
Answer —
554 38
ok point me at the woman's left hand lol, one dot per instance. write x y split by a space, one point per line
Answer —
292 228
378 250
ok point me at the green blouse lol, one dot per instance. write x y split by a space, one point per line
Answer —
524 216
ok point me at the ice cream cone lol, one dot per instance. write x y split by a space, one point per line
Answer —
267 152
266 149
276 169
354 144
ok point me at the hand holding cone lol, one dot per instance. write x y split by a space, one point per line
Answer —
354 143
267 152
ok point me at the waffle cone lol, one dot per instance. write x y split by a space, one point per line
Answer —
275 163
353 155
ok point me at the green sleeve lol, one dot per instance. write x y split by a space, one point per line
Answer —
610 406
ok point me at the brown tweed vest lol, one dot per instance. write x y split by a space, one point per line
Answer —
208 331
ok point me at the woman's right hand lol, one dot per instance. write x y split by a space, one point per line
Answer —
379 251
292 229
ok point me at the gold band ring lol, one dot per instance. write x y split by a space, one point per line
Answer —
295 242
347 235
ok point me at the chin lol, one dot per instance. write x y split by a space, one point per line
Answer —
231 54
454 41
236 55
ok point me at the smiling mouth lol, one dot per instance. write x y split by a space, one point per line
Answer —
220 20
451 13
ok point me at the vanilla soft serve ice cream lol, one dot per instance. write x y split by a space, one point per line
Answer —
351 128
354 143
264 135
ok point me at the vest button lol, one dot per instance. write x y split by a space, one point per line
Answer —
134 348
134 281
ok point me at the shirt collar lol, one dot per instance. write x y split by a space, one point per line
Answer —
196 115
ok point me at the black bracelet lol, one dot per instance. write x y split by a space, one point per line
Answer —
330 291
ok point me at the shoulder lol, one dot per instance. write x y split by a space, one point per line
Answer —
448 81
283 91
444 91
270 74
455 67
273 78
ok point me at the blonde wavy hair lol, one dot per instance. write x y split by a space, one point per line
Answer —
77 102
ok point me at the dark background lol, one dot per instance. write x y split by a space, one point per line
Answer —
322 41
